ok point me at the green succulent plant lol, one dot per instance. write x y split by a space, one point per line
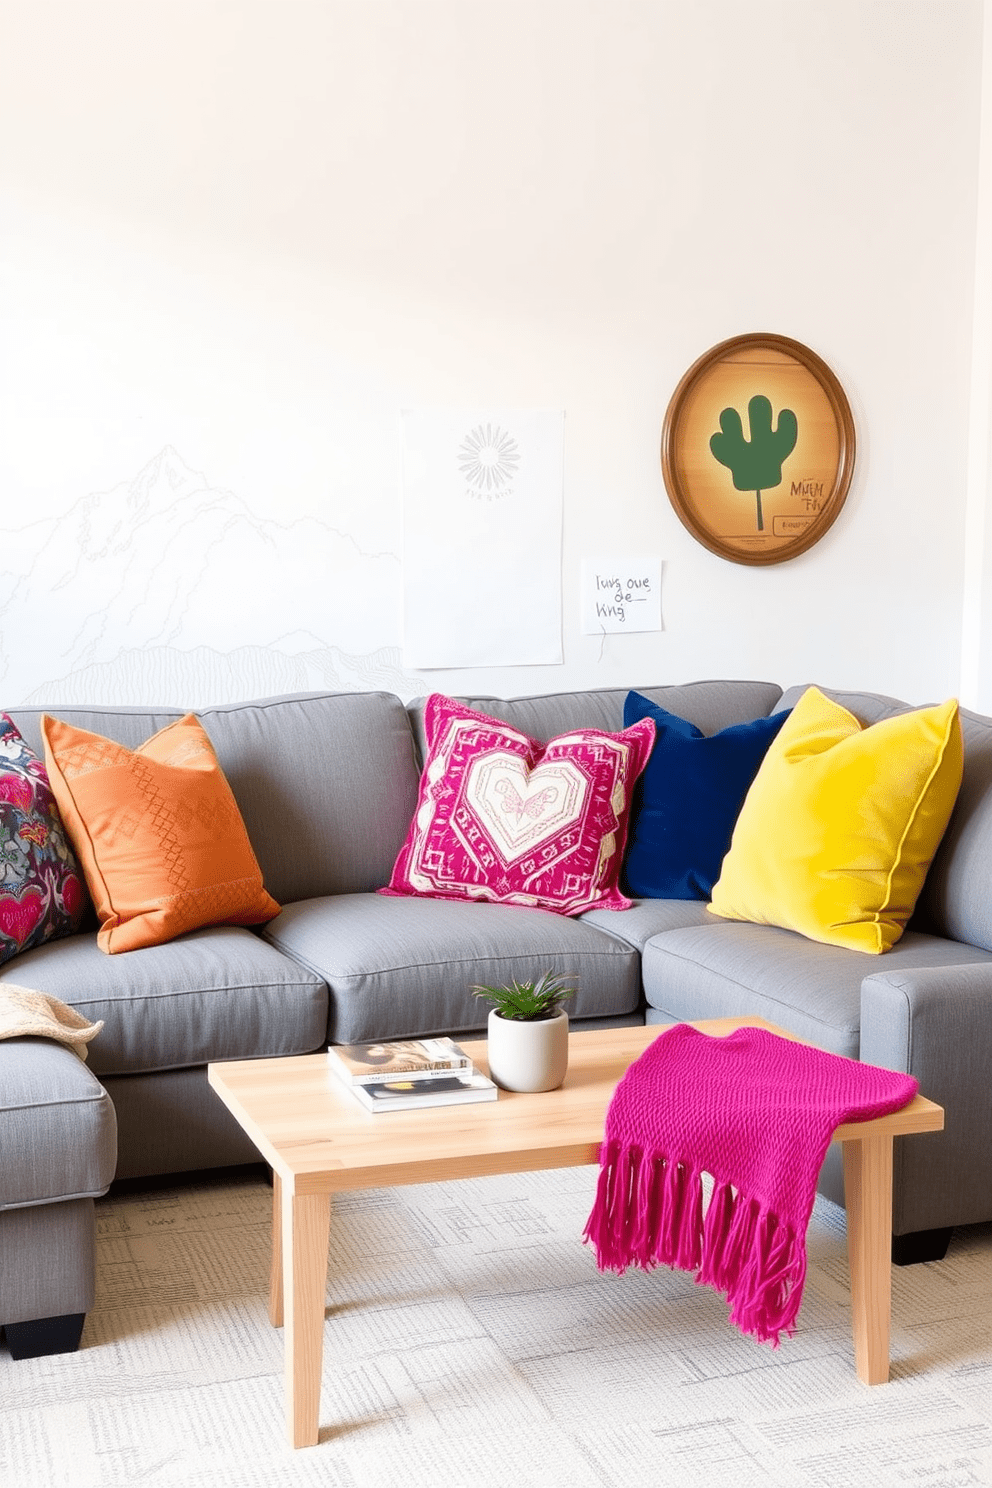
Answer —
529 1002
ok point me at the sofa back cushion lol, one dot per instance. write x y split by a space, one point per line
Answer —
842 822
867 707
326 782
957 897
709 705
956 900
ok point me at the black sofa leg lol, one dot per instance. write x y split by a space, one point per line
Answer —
54 1335
920 1245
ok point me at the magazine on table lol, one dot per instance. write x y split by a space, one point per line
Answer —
412 1095
414 1059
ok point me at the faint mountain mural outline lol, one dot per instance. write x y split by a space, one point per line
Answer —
166 581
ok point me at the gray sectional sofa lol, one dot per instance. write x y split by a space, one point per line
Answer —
327 784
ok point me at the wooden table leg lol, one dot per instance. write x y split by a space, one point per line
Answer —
275 1265
868 1199
306 1226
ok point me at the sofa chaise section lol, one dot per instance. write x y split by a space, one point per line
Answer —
58 1152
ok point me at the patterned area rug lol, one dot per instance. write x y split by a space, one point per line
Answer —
471 1342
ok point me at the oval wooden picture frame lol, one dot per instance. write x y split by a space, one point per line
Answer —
757 449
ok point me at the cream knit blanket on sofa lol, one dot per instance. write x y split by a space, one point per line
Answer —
25 1013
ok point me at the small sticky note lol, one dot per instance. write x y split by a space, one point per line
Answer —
620 594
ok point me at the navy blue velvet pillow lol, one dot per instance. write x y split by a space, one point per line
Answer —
688 799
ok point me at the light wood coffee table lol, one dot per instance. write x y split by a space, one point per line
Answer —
318 1140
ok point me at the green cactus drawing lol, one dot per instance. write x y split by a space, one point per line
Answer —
755 464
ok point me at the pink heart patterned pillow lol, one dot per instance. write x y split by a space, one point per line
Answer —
503 818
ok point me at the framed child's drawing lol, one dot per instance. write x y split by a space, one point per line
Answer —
757 449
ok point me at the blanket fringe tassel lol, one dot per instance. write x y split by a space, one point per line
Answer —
649 1211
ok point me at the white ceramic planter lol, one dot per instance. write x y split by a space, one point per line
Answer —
528 1056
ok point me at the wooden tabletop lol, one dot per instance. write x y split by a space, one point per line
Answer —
318 1138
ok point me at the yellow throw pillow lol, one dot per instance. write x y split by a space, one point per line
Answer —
841 822
157 832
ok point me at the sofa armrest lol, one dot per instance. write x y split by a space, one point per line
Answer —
935 1023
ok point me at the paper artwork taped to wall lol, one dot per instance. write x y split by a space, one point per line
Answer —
482 496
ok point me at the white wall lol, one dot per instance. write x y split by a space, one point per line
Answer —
976 627
239 235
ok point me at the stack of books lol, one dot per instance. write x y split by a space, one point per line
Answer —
409 1074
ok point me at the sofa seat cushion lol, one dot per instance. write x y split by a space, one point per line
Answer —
216 993
403 967
811 989
58 1130
648 917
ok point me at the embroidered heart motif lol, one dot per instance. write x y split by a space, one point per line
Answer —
521 808
18 791
72 895
18 917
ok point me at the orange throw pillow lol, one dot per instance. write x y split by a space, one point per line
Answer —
157 832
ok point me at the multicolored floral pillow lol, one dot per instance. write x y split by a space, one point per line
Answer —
41 888
503 818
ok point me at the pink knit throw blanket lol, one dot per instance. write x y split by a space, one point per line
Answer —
755 1111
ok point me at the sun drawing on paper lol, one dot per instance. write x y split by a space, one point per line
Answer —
488 458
